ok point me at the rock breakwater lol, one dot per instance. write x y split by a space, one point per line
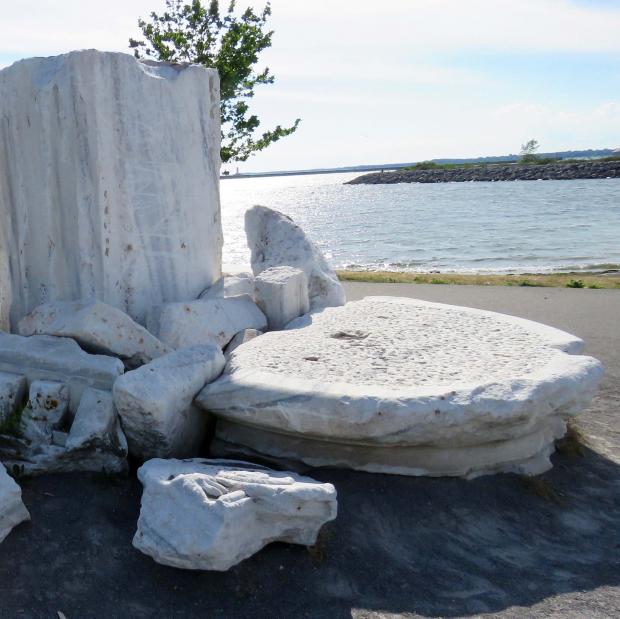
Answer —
495 172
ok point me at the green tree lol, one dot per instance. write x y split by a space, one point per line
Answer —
229 42
528 152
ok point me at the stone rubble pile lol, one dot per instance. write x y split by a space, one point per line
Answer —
46 385
131 344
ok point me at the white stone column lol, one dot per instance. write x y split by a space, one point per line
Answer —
109 181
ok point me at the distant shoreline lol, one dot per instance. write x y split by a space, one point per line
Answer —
609 279
495 172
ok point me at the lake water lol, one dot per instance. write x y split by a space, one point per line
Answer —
522 226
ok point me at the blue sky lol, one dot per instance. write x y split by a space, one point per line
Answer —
400 80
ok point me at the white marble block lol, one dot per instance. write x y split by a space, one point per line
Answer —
276 240
403 386
97 328
206 321
12 509
109 182
155 402
211 514
96 424
46 410
44 357
282 294
230 285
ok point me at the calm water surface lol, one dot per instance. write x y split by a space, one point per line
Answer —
526 226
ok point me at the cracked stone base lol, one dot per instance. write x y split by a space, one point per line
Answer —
525 455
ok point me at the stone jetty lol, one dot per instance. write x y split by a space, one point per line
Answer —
494 172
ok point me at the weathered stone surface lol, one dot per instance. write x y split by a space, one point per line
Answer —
230 285
96 424
39 459
12 393
109 174
12 509
6 293
204 322
275 240
155 402
405 386
282 294
44 357
59 438
47 409
242 337
92 441
210 515
97 328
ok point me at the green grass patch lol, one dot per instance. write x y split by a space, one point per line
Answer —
12 425
528 283
575 283
527 160
555 280
432 165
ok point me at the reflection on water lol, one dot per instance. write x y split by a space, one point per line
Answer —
533 226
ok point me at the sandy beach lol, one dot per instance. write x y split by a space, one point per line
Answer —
500 546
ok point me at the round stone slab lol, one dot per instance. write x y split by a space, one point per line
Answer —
404 386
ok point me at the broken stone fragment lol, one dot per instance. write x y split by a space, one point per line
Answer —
59 438
97 327
276 240
282 294
155 402
231 285
59 372
211 514
12 509
96 424
58 358
247 335
47 408
12 394
95 442
205 322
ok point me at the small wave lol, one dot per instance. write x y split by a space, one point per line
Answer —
514 269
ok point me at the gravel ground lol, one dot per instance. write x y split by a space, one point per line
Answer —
498 546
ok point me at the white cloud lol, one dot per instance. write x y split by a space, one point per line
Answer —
358 30
371 80
439 25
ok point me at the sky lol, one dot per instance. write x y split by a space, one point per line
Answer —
396 80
